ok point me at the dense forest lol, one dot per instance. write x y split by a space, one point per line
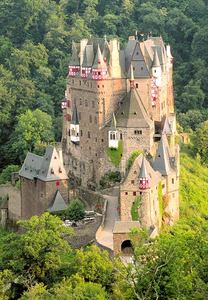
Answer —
35 44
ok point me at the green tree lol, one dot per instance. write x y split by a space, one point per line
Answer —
94 265
200 140
38 250
6 173
33 128
75 210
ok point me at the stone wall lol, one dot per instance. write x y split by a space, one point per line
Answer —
37 195
14 204
118 239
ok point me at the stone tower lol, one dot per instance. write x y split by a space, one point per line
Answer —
119 96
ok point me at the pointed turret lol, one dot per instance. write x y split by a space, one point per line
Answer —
99 68
162 158
74 65
113 134
143 176
156 68
74 126
156 62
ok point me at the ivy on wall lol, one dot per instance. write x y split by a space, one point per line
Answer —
135 208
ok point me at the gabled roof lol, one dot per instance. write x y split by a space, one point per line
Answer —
153 175
143 170
74 61
52 167
162 158
75 118
132 112
58 203
46 168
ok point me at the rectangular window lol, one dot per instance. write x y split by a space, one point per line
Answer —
121 136
137 85
173 181
90 118
88 134
126 193
81 133
134 193
80 101
132 181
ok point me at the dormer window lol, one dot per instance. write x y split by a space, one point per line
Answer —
52 171
60 170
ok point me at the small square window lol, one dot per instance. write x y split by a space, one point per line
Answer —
132 181
137 85
173 181
126 193
134 193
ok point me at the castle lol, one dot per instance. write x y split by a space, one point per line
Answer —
124 97
119 99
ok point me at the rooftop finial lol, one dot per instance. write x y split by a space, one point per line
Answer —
105 38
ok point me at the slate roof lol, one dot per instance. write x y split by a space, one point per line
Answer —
143 170
46 168
74 61
58 203
88 56
162 158
132 112
125 226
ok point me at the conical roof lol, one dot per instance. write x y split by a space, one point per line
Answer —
156 62
143 170
132 112
58 203
113 123
74 61
162 158
99 62
75 118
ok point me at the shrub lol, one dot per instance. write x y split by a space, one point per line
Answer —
75 210
110 178
115 155
132 158
134 209
7 172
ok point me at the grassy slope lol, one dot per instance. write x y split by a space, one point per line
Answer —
193 190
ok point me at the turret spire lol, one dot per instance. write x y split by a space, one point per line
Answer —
143 176
131 77
156 62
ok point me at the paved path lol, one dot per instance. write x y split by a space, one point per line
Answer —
105 236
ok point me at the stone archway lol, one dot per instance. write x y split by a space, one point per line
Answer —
126 247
